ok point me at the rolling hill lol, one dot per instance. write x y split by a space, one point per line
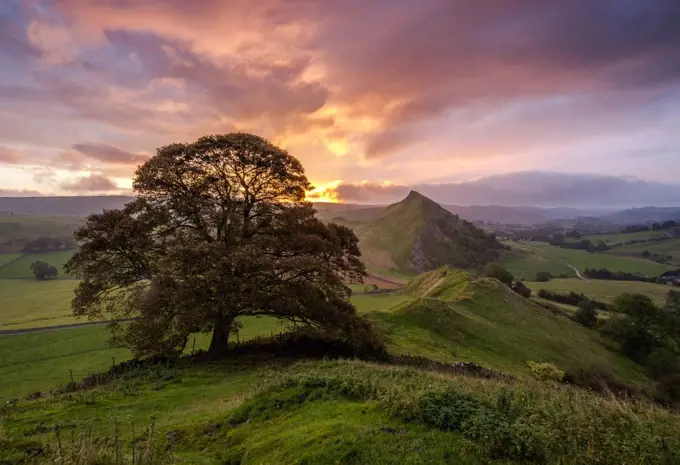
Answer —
448 315
417 234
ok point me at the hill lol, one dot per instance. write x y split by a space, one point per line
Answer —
448 315
418 234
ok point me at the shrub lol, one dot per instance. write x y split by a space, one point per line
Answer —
586 314
500 273
546 371
522 289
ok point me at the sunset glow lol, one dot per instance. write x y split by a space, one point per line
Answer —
420 93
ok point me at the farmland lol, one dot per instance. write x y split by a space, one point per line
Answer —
27 303
527 259
605 291
20 268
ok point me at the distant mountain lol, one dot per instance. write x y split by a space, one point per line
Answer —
61 206
644 215
417 234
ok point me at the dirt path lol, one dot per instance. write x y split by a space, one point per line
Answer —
578 273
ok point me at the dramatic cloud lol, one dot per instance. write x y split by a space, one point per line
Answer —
519 189
109 154
414 92
89 184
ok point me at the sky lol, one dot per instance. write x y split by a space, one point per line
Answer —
367 94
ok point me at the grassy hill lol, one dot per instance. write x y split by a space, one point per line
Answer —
330 412
417 234
448 315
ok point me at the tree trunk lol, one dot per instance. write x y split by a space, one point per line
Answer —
220 337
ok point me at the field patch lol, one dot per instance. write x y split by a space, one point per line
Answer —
21 268
528 258
27 303
605 291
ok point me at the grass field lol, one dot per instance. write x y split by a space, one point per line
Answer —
27 303
21 268
527 259
605 291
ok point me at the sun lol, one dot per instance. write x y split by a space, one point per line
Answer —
324 193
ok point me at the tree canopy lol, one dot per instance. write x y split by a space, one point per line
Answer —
43 270
220 229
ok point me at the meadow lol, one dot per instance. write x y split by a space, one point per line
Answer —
20 268
525 259
27 303
603 290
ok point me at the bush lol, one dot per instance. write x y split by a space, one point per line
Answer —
499 272
522 289
546 371
586 314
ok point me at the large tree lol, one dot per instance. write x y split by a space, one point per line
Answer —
220 229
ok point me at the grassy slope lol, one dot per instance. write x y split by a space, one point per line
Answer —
21 268
449 316
603 290
344 412
27 303
527 259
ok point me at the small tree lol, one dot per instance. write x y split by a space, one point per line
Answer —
586 314
43 270
494 270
